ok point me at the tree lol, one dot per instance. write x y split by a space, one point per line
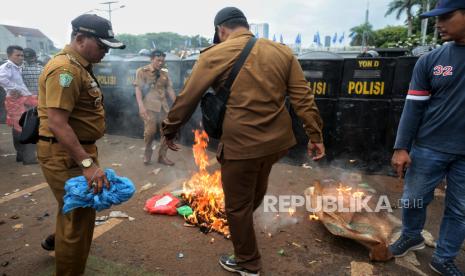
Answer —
357 33
134 43
165 41
431 29
401 6
390 36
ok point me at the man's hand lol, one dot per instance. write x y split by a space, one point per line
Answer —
171 145
318 149
400 161
143 113
96 178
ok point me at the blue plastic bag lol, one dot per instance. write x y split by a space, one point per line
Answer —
78 194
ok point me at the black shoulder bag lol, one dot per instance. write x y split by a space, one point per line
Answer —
213 105
29 121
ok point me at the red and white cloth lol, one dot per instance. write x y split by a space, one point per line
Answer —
15 107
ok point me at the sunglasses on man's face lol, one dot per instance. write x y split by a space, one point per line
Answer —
100 44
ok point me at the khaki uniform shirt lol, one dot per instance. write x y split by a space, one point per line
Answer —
256 121
146 78
67 83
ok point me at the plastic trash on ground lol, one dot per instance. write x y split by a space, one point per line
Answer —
185 211
162 204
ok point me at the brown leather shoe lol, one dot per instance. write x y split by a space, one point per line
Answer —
165 161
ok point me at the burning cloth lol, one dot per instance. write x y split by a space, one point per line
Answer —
371 229
203 192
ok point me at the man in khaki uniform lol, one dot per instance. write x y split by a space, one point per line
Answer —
153 106
71 120
257 129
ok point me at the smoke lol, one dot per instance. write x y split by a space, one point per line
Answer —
271 223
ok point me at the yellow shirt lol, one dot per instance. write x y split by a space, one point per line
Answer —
67 83
256 122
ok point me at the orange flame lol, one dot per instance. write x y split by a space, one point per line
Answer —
291 211
204 193
313 217
344 189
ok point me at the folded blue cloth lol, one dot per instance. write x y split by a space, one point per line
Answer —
78 195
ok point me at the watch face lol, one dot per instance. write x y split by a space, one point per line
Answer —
86 163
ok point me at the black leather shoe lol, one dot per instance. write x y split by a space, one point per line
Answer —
19 157
49 243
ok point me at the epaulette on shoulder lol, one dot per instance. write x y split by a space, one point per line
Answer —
60 53
207 48
146 68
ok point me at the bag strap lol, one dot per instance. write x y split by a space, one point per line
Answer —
236 68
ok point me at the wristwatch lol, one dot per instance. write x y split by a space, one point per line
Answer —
86 163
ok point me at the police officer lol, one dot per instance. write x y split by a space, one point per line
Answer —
71 120
152 85
257 129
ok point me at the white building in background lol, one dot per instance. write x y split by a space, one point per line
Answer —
262 29
24 37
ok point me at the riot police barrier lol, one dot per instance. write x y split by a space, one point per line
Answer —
360 102
116 77
186 134
323 72
363 111
402 77
134 126
174 65
369 78
110 75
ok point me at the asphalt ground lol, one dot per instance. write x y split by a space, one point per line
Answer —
162 245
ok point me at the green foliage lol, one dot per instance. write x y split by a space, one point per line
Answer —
401 6
398 36
412 42
404 6
357 33
165 41
431 21
389 36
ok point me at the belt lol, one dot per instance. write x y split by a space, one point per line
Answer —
54 140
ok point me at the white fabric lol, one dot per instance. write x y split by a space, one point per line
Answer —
418 98
11 79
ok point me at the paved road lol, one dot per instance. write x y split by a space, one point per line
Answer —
150 245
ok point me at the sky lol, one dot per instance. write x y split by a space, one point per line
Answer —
188 17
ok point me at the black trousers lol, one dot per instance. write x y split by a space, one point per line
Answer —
25 153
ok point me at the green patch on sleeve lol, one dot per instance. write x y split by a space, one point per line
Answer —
65 79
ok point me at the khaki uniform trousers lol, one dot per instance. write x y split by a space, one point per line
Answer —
151 125
245 183
74 231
